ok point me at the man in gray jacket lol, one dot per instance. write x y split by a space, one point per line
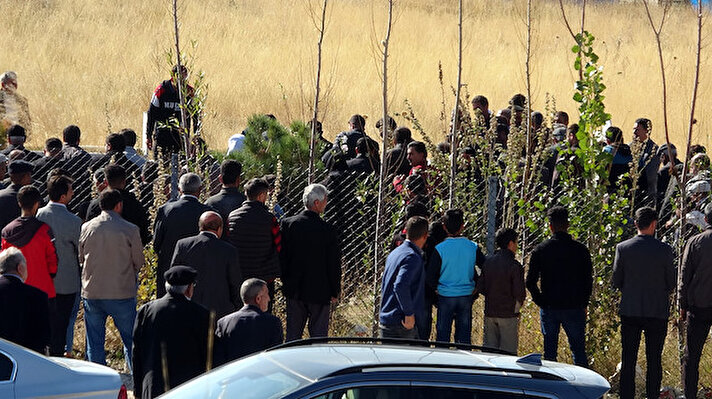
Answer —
112 255
644 272
695 295
66 227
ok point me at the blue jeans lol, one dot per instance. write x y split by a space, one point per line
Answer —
122 311
458 308
574 323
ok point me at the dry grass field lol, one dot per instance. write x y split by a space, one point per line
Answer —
95 63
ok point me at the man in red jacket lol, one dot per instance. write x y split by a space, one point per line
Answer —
36 242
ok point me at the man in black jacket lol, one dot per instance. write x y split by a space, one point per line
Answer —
115 146
695 298
311 266
254 231
77 162
563 268
173 327
644 272
396 159
176 220
364 162
250 329
165 106
24 309
216 263
16 137
20 176
133 211
229 198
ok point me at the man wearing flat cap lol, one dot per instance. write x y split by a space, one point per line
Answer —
171 327
20 175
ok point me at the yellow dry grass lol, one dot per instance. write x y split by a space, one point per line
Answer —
95 63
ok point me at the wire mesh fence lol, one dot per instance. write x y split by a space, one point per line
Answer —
489 202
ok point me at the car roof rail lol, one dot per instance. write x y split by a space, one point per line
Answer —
391 341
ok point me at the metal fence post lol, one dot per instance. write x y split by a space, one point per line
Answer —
492 193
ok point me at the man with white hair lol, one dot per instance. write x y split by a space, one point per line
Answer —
250 329
24 309
176 220
13 107
311 266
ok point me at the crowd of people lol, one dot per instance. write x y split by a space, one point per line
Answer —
75 228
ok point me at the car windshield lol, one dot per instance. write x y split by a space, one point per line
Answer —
254 377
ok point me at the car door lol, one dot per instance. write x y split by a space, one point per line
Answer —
418 390
8 369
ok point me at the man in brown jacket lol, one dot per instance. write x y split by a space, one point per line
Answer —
502 284
111 254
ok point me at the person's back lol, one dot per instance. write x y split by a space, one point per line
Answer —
458 257
229 198
502 284
697 272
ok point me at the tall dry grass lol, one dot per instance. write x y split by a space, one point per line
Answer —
89 62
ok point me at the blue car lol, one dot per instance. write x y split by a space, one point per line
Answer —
391 369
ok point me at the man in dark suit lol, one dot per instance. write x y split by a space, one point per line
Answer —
396 160
250 329
364 162
133 211
311 266
229 198
20 175
644 271
217 265
24 309
171 327
176 220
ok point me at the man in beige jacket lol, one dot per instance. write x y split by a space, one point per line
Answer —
111 253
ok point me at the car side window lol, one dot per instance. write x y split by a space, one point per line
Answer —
6 368
422 392
384 392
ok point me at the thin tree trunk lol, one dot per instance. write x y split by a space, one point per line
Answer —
456 112
382 174
312 143
571 31
179 83
527 70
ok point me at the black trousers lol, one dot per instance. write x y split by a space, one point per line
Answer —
655 331
60 311
298 312
699 321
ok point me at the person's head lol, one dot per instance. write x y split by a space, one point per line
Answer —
454 222
480 102
12 261
319 127
504 117
315 198
416 209
16 135
257 189
697 149
417 153
59 189
559 134
255 292
390 126
71 135
614 135
537 120
183 72
115 142
646 219
506 238
190 184
99 180
443 147
8 80
642 129
180 280
357 122
562 118
29 199
571 133
110 200
558 219
664 154
416 230
414 185
129 137
698 163
115 176
20 172
402 135
53 147
212 222
230 171
502 134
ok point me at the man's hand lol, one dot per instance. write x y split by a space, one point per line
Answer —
409 322
333 299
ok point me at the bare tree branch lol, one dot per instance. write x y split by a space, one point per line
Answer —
312 143
456 112
180 83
